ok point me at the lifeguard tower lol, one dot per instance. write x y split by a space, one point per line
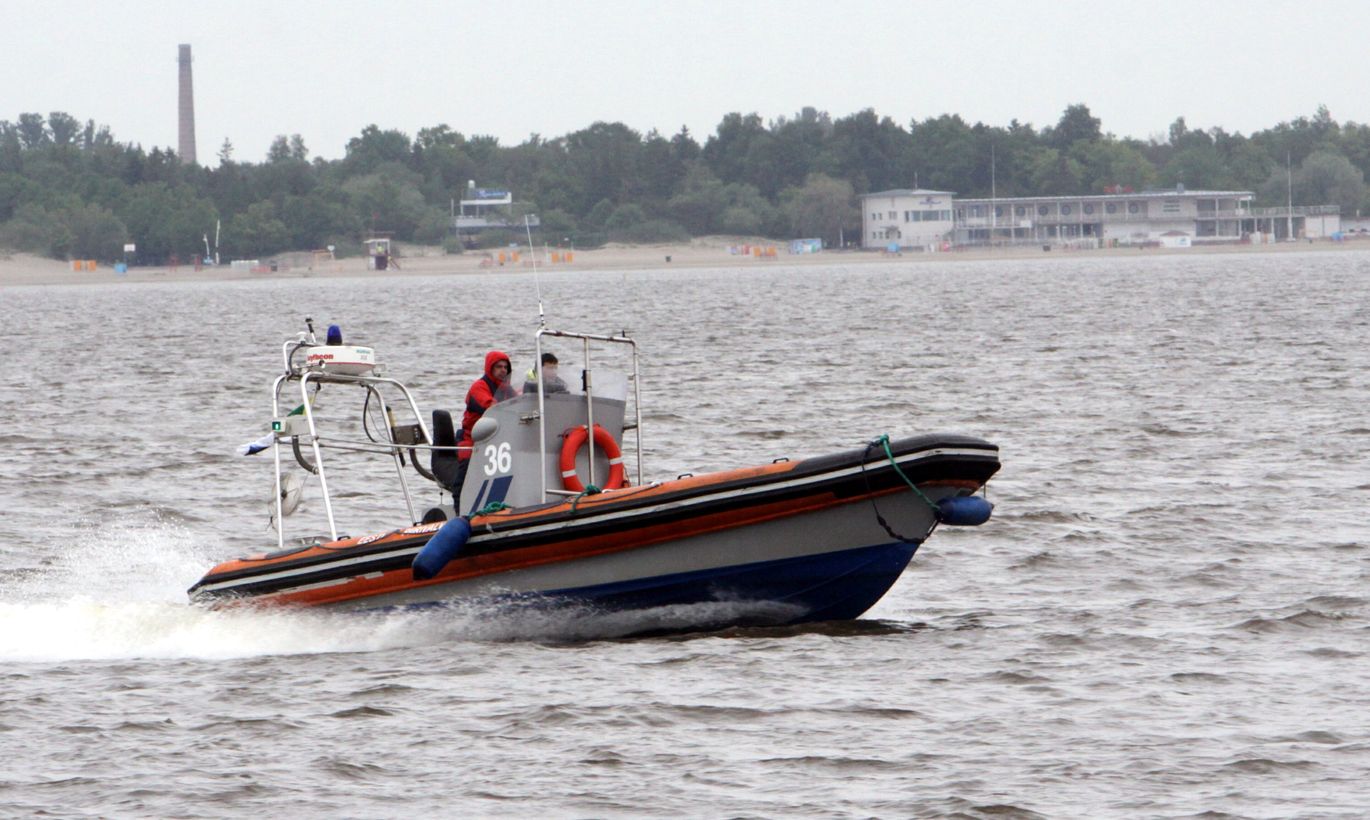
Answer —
379 255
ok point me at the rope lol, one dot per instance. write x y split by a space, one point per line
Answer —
492 507
590 490
884 440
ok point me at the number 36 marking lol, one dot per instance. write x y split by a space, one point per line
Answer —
498 459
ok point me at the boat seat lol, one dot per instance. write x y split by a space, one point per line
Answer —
444 464
436 514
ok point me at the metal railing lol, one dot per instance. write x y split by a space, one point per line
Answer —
1298 210
316 442
588 386
421 440
1030 220
493 221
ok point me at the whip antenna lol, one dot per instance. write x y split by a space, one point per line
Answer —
537 285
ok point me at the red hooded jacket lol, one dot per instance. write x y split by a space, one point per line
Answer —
485 391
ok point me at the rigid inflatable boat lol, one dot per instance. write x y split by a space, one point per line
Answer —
555 510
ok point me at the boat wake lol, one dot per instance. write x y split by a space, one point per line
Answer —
119 593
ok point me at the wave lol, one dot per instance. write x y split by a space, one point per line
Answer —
1265 765
1336 602
117 591
85 628
1332 652
1303 619
1198 677
1314 736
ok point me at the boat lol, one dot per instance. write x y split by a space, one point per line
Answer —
556 511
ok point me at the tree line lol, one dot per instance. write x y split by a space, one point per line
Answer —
69 189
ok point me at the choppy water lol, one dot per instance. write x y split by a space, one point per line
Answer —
1168 616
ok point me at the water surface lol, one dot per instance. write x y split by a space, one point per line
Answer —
1167 616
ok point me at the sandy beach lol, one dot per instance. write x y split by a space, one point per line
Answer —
19 270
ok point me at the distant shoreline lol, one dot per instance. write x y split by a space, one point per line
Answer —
22 270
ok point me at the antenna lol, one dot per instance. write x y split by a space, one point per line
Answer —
537 285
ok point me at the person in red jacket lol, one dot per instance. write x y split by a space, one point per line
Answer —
489 389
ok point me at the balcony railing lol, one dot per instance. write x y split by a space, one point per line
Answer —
1122 216
1298 210
493 221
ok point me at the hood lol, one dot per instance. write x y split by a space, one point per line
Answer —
496 356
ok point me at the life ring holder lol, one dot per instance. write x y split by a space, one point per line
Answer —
575 439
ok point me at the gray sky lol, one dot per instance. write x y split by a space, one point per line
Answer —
510 68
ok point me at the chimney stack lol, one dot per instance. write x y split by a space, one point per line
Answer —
186 134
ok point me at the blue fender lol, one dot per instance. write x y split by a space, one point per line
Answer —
441 548
964 511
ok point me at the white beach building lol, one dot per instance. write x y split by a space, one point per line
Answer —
1175 217
486 208
907 218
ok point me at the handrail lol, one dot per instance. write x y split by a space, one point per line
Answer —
384 447
276 456
308 377
318 454
586 338
305 377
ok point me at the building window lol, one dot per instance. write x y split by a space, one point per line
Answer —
1088 208
1132 208
1065 210
892 216
998 210
1042 210
1111 207
1170 206
1020 211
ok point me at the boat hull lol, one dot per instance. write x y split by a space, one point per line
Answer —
823 587
821 565
820 539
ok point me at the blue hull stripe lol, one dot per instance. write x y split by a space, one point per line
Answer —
832 586
498 489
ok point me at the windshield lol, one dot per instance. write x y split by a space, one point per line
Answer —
550 373
570 378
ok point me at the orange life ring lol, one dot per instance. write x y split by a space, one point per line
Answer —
575 439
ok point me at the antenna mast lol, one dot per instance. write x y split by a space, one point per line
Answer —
537 285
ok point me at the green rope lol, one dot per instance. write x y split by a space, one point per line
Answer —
492 507
885 442
590 490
